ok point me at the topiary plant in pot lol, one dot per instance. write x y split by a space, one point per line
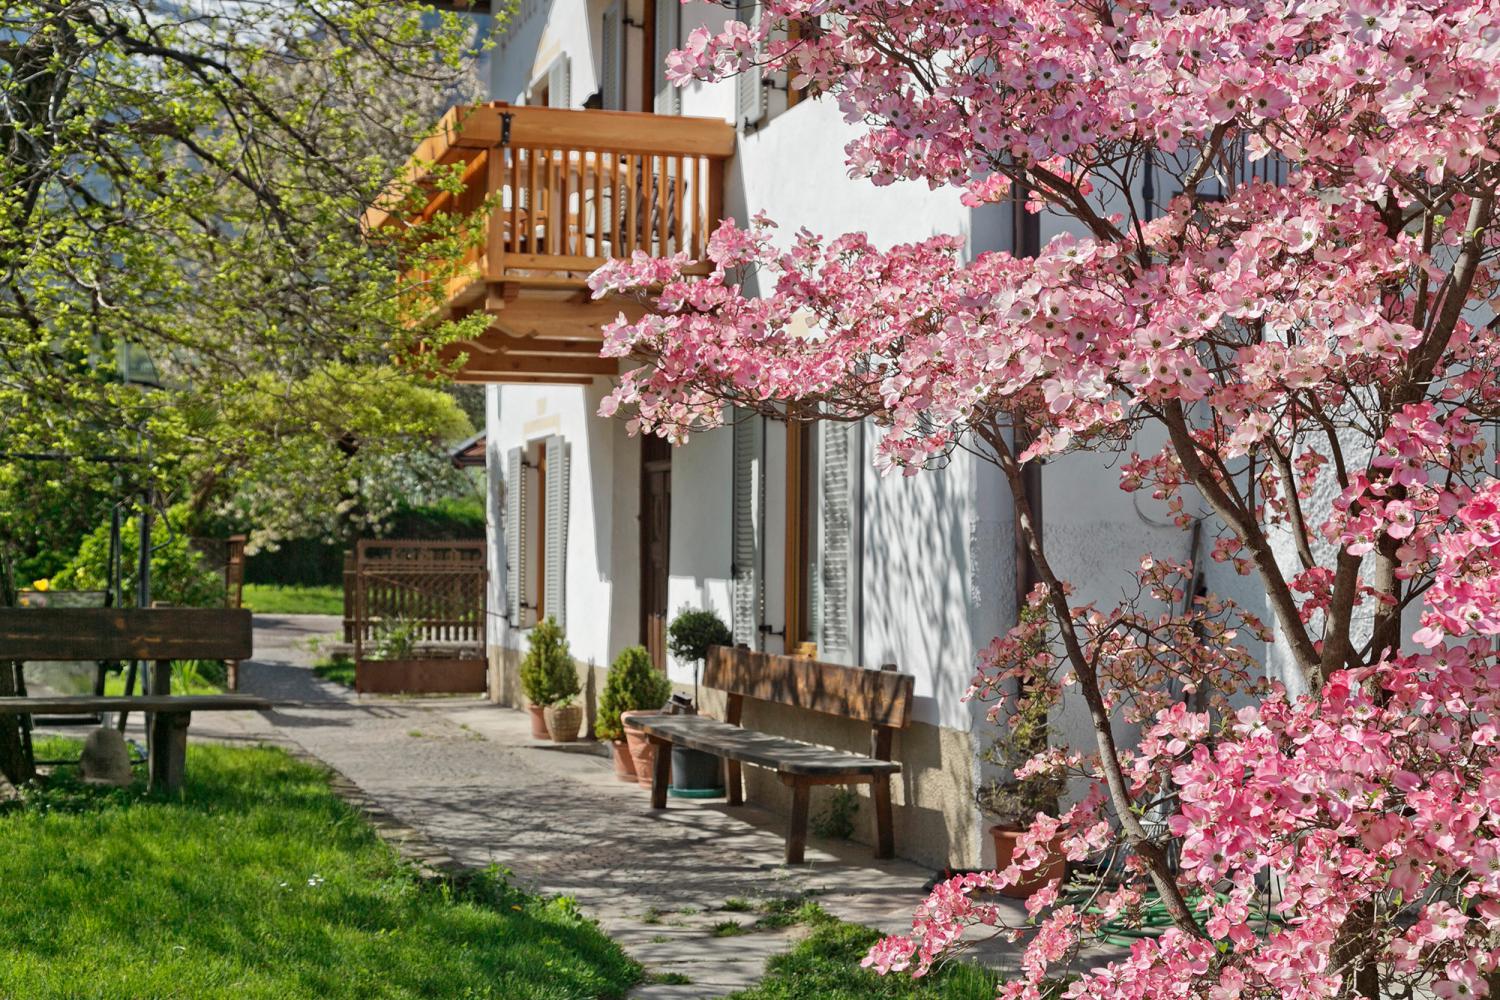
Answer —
1016 800
696 774
633 687
547 674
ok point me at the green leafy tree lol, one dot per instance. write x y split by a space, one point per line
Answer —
633 684
189 303
690 635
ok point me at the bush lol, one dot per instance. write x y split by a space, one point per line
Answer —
547 674
692 632
179 576
633 684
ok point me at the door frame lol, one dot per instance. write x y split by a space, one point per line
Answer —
655 458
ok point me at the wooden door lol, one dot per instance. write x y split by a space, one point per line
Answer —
656 529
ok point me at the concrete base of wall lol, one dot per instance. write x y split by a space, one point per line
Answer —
937 823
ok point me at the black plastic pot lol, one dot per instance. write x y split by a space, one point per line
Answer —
696 775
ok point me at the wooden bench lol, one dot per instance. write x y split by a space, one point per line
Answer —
881 698
158 635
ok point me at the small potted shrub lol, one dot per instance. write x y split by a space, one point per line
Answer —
563 718
1016 801
633 688
696 774
547 673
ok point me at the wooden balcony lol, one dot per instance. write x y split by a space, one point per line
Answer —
557 193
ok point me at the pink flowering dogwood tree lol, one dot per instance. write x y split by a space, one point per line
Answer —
1328 334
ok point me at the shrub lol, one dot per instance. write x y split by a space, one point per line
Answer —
179 575
633 684
1016 801
547 674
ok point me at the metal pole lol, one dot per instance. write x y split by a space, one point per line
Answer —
142 598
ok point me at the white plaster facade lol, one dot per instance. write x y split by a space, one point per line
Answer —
936 552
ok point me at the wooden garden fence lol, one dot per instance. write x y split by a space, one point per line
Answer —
415 613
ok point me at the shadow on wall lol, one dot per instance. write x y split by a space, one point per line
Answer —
917 588
932 797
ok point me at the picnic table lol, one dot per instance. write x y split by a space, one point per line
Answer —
154 635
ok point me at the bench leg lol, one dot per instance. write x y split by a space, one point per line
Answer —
885 835
662 775
796 834
168 756
733 782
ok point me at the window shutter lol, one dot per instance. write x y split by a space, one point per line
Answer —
554 602
560 84
747 549
751 100
837 595
668 27
515 538
611 85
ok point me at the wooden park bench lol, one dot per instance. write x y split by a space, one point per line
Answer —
158 635
880 697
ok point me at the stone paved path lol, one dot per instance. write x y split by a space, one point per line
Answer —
467 775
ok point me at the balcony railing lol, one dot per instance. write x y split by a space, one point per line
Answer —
566 190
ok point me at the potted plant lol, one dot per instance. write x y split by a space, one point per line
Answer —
1016 801
632 688
547 673
696 774
563 718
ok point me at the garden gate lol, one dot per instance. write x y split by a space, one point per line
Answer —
415 614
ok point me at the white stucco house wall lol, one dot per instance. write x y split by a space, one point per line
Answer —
613 535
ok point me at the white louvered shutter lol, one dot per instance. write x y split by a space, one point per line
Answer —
611 87
515 537
751 100
668 39
747 548
838 578
554 602
560 84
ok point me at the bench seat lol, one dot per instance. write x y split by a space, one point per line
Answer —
168 717
780 754
94 704
882 698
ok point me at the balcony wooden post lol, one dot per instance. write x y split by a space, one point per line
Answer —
494 252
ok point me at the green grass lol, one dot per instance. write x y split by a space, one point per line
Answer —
259 883
825 966
339 669
188 677
276 599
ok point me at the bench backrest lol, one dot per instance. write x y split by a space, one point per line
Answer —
879 697
124 634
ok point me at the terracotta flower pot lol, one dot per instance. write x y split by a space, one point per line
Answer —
538 722
641 748
563 722
1006 845
624 762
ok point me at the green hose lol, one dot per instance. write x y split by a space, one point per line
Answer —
1149 919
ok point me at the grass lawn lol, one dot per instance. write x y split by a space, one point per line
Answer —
339 669
275 599
825 966
188 677
260 883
